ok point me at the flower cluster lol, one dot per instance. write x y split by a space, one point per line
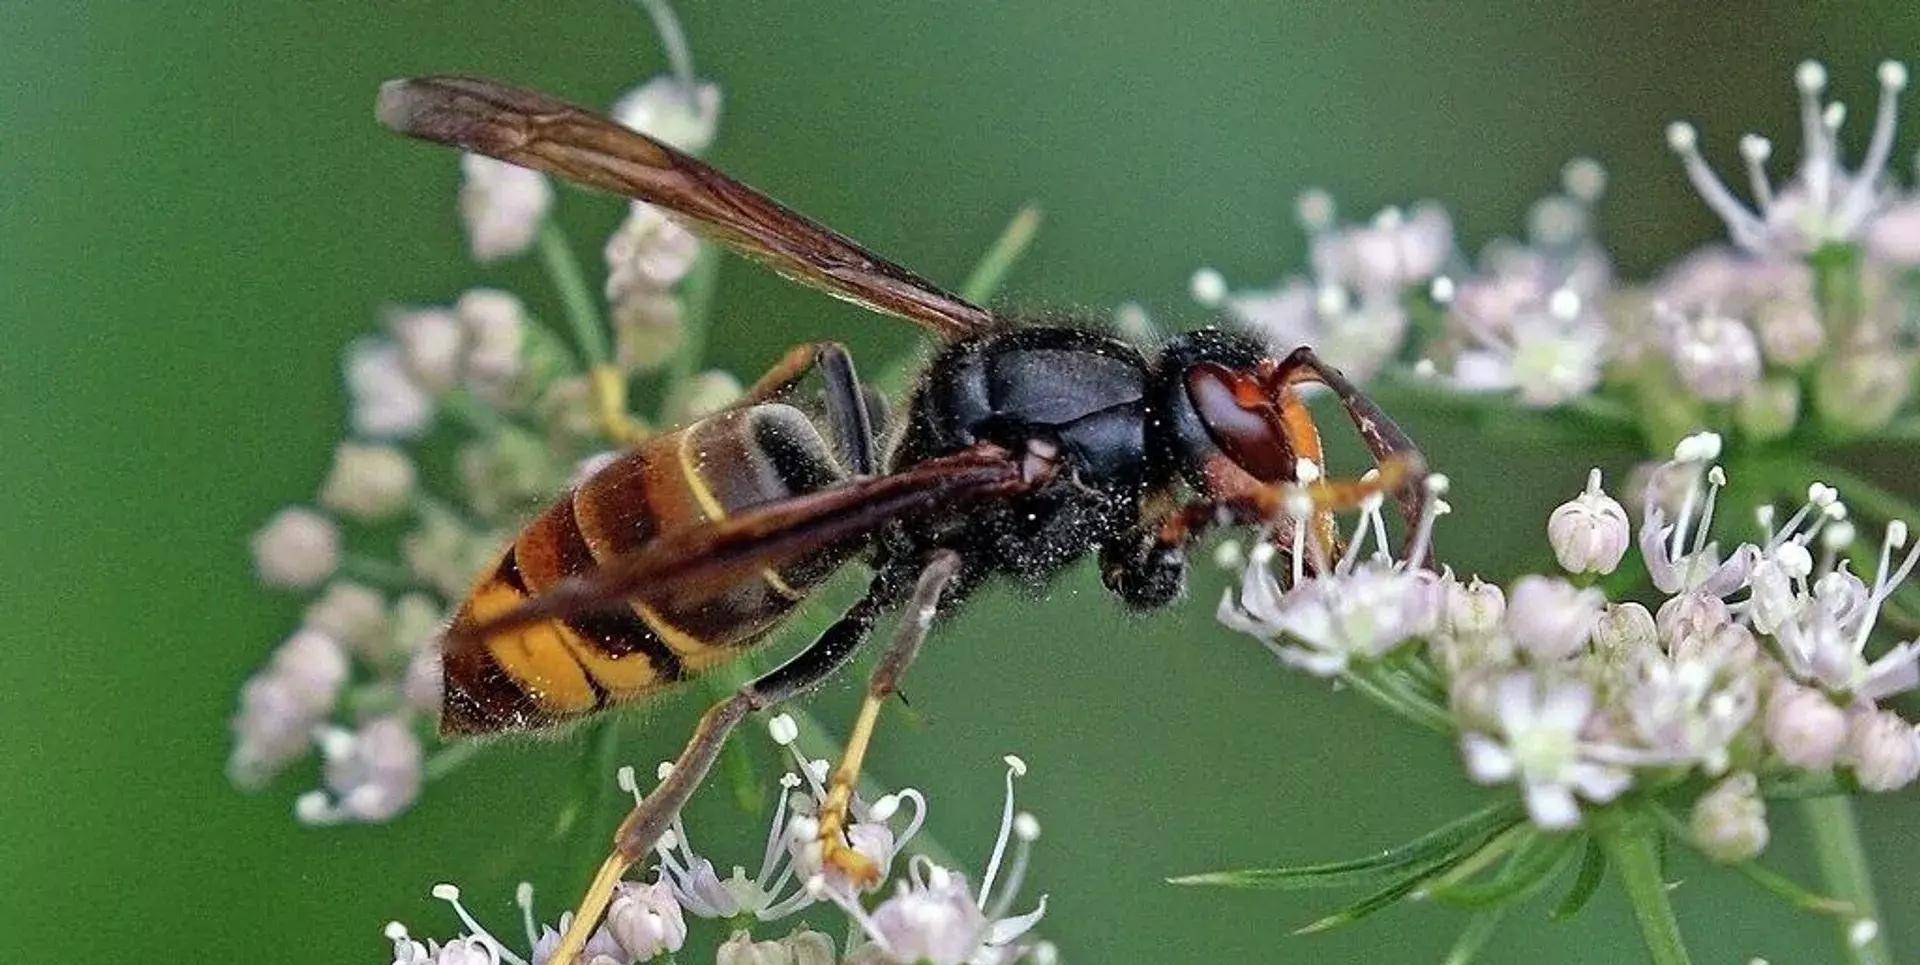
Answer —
932 915
390 545
1745 666
1804 316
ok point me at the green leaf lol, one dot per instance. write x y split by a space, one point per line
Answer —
1593 868
1474 937
1531 864
1447 844
1391 894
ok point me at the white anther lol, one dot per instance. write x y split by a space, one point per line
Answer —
1822 495
1897 534
664 771
1755 149
1682 137
1331 300
1837 537
1314 207
1584 178
884 808
783 729
1893 75
668 840
446 892
1810 77
1306 470
1016 765
1442 289
395 932
1026 826
1208 287
1438 483
1425 369
1717 476
1834 116
1262 554
1564 303
1861 933
626 780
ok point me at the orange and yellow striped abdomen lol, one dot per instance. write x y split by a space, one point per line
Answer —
559 670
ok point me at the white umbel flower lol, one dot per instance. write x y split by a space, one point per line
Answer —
1729 823
296 549
368 482
1824 203
1550 619
387 401
373 773
280 706
1882 748
646 920
501 205
1539 746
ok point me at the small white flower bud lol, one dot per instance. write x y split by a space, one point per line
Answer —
1590 532
1769 409
1716 357
1883 749
502 206
1804 727
663 108
1790 331
296 549
1729 823
368 482
1624 632
1692 615
1473 609
808 947
1551 619
493 325
1862 391
388 402
353 614
430 342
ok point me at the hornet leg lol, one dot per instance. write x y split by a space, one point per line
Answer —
644 825
835 852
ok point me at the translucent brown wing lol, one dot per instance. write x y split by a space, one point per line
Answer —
540 132
679 562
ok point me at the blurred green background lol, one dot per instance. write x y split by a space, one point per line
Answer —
199 213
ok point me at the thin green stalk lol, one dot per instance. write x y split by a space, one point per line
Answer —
1389 692
381 573
991 270
1632 844
583 311
450 758
1843 868
674 39
1474 937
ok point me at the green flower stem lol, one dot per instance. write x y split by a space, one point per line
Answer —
451 758
991 270
583 309
1843 868
1633 847
380 573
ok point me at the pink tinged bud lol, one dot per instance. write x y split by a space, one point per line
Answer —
1894 236
1729 823
646 920
1883 749
1804 727
1590 532
296 549
502 206
1551 619
1717 357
